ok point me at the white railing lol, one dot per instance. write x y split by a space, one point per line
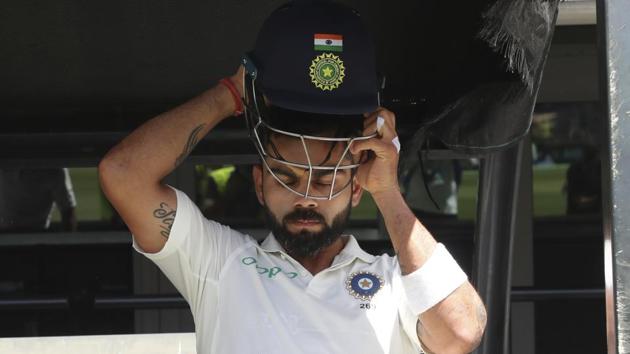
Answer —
162 343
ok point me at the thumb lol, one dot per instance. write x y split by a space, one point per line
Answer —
237 79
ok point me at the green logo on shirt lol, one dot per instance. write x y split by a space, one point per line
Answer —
270 272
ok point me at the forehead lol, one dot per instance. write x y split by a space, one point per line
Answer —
320 153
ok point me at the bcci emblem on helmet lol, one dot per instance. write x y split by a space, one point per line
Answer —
327 71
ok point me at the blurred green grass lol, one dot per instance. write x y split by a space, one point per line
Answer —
548 194
549 198
91 204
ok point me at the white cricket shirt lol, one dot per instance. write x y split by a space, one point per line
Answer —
249 298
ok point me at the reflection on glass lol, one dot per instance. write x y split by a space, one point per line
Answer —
439 189
430 188
29 195
583 186
227 193
566 171
468 191
93 211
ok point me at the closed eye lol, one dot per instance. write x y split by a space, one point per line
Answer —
324 183
286 177
326 177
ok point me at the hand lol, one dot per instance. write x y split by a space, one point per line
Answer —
380 173
237 79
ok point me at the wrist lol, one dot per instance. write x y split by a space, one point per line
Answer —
221 101
387 197
237 97
435 280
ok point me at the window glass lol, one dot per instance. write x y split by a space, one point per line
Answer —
30 195
226 193
467 193
567 229
91 204
566 162
439 188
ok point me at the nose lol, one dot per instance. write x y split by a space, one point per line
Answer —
303 202
302 187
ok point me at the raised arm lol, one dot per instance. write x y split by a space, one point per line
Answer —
455 324
131 173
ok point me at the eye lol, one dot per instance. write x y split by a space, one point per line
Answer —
288 180
284 177
324 181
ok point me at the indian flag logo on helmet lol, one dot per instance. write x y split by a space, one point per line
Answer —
328 42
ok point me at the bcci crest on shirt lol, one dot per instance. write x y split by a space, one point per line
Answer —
364 285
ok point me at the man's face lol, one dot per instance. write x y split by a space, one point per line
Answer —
304 226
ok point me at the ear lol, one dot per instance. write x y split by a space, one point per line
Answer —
257 175
357 191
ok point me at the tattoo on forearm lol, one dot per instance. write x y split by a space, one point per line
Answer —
193 139
167 215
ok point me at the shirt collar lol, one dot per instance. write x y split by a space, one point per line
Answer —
350 251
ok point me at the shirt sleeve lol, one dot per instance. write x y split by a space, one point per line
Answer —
195 251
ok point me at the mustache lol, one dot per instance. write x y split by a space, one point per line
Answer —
304 214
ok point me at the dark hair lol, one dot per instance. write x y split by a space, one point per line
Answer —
315 124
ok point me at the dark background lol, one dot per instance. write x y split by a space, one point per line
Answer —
106 67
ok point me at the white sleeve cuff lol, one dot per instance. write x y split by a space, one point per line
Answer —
434 281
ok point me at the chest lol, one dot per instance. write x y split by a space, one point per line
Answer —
349 307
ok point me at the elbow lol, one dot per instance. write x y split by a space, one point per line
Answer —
460 340
468 337
111 164
110 173
468 342
470 332
462 344
464 333
104 171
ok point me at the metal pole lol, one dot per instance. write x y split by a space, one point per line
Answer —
614 48
492 267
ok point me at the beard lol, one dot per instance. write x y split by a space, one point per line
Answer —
306 244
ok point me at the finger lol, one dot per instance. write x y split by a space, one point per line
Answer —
380 122
370 128
369 120
237 79
381 148
396 143
383 118
372 115
381 127
389 116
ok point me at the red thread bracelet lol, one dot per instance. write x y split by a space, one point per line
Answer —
235 95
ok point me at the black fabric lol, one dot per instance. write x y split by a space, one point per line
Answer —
476 73
496 114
